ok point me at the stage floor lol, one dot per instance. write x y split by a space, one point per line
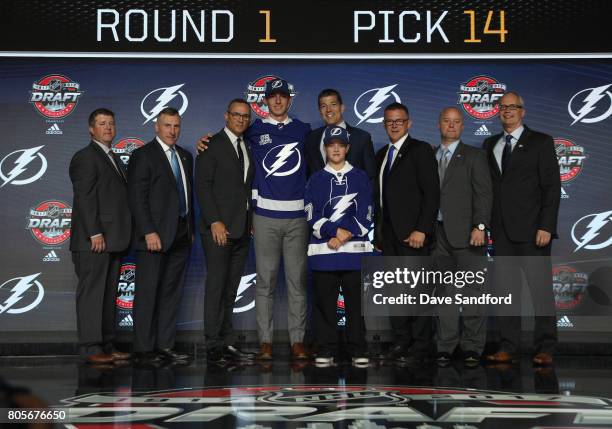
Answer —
286 394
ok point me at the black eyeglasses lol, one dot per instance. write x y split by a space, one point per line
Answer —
511 107
390 122
236 115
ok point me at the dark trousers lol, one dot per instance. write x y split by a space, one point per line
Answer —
450 320
534 263
96 293
414 332
326 286
159 284
224 269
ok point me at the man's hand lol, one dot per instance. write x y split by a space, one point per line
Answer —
219 233
202 144
343 235
542 238
416 239
153 242
477 238
334 243
98 245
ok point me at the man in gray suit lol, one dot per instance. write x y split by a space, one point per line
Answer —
466 199
224 174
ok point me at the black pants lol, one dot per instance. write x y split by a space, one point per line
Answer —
534 262
326 286
96 293
159 284
224 269
415 332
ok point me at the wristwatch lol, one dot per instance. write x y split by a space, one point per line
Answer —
480 227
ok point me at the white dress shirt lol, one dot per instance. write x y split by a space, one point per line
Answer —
167 150
498 150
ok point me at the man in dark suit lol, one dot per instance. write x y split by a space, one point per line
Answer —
100 235
224 174
526 195
406 194
159 190
361 154
466 197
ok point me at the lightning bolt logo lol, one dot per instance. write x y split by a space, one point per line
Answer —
592 230
375 102
167 95
590 103
245 283
343 203
17 292
21 165
281 159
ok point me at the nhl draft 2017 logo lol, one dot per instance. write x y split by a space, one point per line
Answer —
55 96
569 286
124 148
571 158
49 222
480 96
126 286
256 91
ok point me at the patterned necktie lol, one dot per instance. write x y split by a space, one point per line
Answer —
507 152
176 169
443 164
240 155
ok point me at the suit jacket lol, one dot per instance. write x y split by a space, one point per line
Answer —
466 194
222 193
360 155
412 189
153 196
100 201
525 197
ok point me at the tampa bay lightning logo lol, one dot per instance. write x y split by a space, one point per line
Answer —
340 202
282 160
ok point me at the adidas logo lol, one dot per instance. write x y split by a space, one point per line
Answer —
54 129
482 131
51 257
564 322
564 195
127 321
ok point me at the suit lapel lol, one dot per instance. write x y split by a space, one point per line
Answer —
108 161
230 152
320 160
187 169
163 160
491 154
456 160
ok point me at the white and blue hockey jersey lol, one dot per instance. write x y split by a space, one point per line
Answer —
339 199
280 171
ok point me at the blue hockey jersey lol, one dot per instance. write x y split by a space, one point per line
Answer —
339 199
280 170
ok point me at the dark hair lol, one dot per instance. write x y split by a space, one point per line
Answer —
397 106
170 111
99 111
237 100
329 92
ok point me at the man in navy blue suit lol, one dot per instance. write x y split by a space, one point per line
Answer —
361 154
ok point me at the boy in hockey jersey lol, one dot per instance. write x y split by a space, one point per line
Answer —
339 212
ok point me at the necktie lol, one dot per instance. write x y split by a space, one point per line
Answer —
443 163
507 152
117 162
389 163
176 169
240 156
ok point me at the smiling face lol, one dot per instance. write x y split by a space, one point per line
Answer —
512 112
331 110
238 118
103 129
168 129
278 106
336 152
450 125
396 124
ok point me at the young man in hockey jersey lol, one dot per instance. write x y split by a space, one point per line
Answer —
279 226
339 212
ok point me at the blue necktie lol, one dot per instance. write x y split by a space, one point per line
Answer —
389 161
179 182
507 152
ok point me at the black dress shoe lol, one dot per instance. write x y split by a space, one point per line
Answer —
233 352
170 354
147 358
215 356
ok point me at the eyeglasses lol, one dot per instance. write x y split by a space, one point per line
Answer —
391 122
511 107
236 115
